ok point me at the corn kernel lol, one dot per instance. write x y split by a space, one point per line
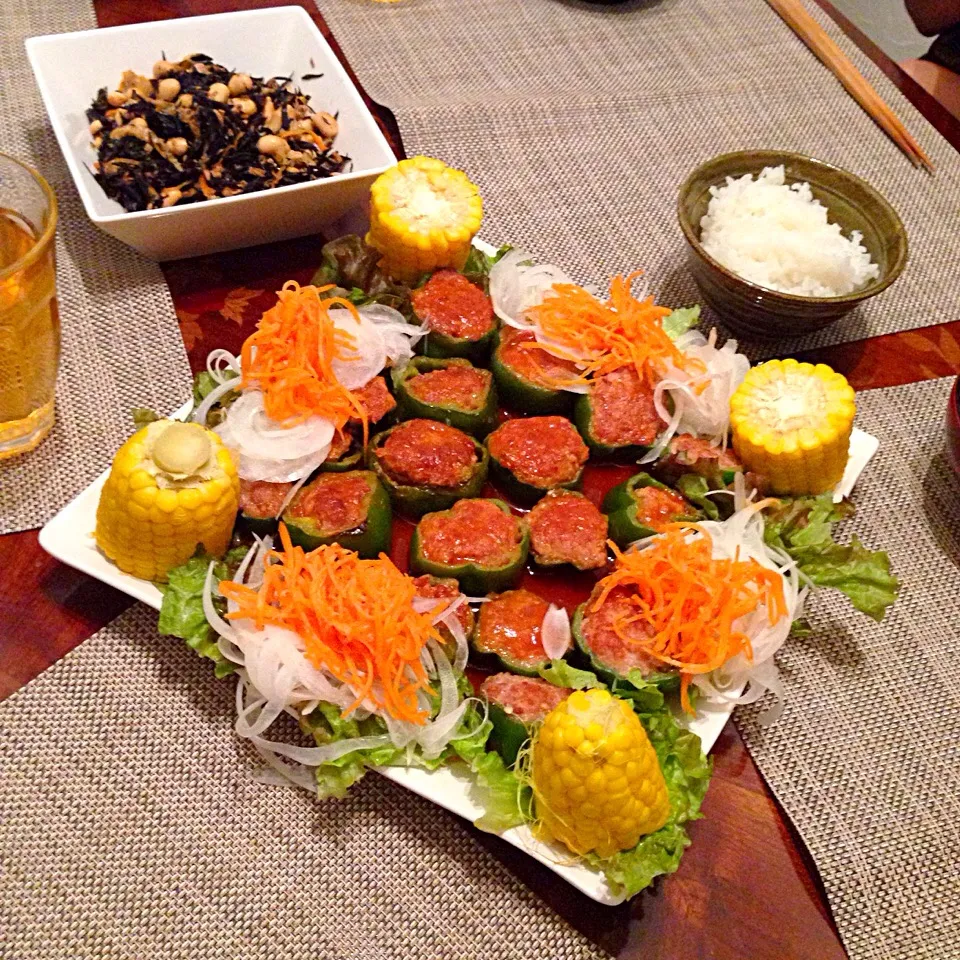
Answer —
147 529
791 422
423 215
588 802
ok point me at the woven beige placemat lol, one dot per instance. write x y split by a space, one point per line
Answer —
579 122
865 757
121 345
130 828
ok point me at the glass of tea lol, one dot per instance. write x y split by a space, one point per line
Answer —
29 322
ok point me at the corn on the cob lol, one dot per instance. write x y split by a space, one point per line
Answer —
597 783
173 486
791 423
423 215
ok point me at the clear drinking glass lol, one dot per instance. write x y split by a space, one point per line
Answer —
29 321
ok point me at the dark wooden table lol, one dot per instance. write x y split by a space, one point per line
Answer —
746 887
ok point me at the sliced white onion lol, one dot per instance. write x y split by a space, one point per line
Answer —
314 756
426 604
295 489
254 718
250 430
221 626
518 282
267 450
670 418
460 638
220 361
283 774
447 616
215 395
280 471
700 401
452 622
555 635
448 682
361 362
381 335
250 570
399 336
434 739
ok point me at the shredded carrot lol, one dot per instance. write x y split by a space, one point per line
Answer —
605 335
355 617
686 603
290 355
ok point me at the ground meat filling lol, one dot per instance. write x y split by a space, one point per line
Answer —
533 364
450 304
335 502
529 699
566 527
376 399
540 451
612 650
262 500
623 410
688 454
425 453
510 627
465 388
444 588
341 443
656 507
472 531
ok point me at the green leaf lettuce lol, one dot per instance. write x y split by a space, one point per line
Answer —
181 612
803 529
505 800
679 321
561 674
478 265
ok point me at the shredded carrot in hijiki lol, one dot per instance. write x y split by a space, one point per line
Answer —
355 617
688 603
605 335
290 355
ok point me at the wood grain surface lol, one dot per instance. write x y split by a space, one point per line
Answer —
746 887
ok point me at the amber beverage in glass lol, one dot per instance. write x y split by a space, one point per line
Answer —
29 322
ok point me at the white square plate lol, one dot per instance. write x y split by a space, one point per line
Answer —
71 67
69 538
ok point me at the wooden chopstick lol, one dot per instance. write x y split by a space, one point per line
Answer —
795 15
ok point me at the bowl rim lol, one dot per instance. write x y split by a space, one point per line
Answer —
853 298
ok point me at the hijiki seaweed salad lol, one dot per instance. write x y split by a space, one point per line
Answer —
196 130
470 394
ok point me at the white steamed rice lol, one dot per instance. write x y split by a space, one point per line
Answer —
778 236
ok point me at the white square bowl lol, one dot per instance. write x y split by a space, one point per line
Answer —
71 67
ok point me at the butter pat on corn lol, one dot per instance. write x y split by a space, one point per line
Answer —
791 423
172 487
597 783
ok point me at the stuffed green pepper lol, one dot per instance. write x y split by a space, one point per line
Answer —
480 543
640 506
452 391
426 465
617 418
350 508
458 315
531 455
